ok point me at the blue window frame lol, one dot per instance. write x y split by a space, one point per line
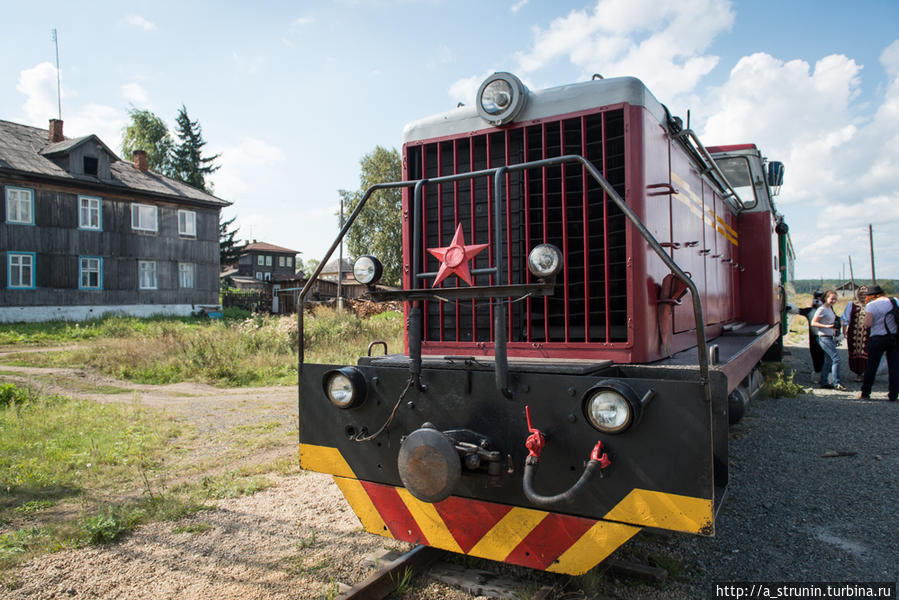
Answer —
90 213
90 273
20 270
19 205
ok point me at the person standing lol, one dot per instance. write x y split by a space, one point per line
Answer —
856 333
826 327
814 347
883 339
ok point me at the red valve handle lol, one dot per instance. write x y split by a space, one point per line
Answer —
598 454
536 441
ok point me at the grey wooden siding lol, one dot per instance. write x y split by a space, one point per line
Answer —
58 244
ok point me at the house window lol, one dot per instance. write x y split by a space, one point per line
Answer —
260 260
187 222
143 217
280 261
20 270
90 273
186 272
259 275
268 261
19 206
146 270
89 213
268 276
90 165
288 262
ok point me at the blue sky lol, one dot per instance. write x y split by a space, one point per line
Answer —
292 94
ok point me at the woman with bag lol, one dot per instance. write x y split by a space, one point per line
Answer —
880 318
826 326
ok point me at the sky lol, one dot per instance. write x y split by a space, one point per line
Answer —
293 94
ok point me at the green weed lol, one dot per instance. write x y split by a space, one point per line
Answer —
193 528
779 381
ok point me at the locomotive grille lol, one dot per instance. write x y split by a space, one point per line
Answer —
560 205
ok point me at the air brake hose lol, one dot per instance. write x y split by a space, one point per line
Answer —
599 460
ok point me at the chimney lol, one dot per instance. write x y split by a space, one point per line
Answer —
140 159
56 131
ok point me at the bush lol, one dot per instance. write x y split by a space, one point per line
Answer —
11 395
779 381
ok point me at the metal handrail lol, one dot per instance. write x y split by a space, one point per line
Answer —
500 330
712 165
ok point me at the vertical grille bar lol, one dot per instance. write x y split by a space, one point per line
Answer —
442 322
508 204
456 219
605 234
586 201
527 234
565 246
545 227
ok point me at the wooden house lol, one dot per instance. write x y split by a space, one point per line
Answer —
83 233
266 262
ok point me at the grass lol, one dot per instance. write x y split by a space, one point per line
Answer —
76 472
779 381
255 351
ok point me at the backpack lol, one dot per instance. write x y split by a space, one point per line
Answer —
894 312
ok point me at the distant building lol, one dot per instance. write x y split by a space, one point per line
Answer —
351 288
83 233
267 262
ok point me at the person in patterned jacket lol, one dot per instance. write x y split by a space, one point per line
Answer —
856 333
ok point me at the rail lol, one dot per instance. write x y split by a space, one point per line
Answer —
499 323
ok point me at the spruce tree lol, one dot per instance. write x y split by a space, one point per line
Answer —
188 164
229 249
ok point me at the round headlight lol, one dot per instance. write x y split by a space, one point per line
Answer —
545 260
501 98
367 269
497 96
611 407
345 387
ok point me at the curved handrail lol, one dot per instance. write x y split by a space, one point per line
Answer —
500 332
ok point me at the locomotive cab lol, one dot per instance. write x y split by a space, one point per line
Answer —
576 337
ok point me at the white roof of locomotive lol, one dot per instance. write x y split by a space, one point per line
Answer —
540 105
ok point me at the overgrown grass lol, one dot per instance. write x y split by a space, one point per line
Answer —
61 460
251 352
779 381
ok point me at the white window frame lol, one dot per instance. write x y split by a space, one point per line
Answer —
268 261
259 275
280 261
90 206
141 213
288 261
19 258
148 268
86 266
187 275
260 260
187 223
267 276
20 198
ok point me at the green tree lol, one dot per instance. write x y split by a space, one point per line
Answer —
378 230
229 248
311 266
149 133
188 163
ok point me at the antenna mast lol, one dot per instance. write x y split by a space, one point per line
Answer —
58 88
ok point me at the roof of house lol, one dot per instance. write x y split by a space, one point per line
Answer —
26 149
265 247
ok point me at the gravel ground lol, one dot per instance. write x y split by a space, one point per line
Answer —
791 515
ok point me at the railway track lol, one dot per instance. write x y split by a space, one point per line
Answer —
393 569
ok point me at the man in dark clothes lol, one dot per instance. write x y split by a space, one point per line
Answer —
813 347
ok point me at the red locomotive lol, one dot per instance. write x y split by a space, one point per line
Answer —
555 394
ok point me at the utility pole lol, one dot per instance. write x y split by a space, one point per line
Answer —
58 87
871 243
851 274
340 265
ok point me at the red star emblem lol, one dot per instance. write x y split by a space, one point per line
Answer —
455 258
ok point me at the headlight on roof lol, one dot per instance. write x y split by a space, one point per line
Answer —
611 406
501 98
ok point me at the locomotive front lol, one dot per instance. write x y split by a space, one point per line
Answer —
554 395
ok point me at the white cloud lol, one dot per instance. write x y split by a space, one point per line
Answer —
104 121
135 94
841 172
464 90
517 6
661 43
139 22
236 163
39 86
